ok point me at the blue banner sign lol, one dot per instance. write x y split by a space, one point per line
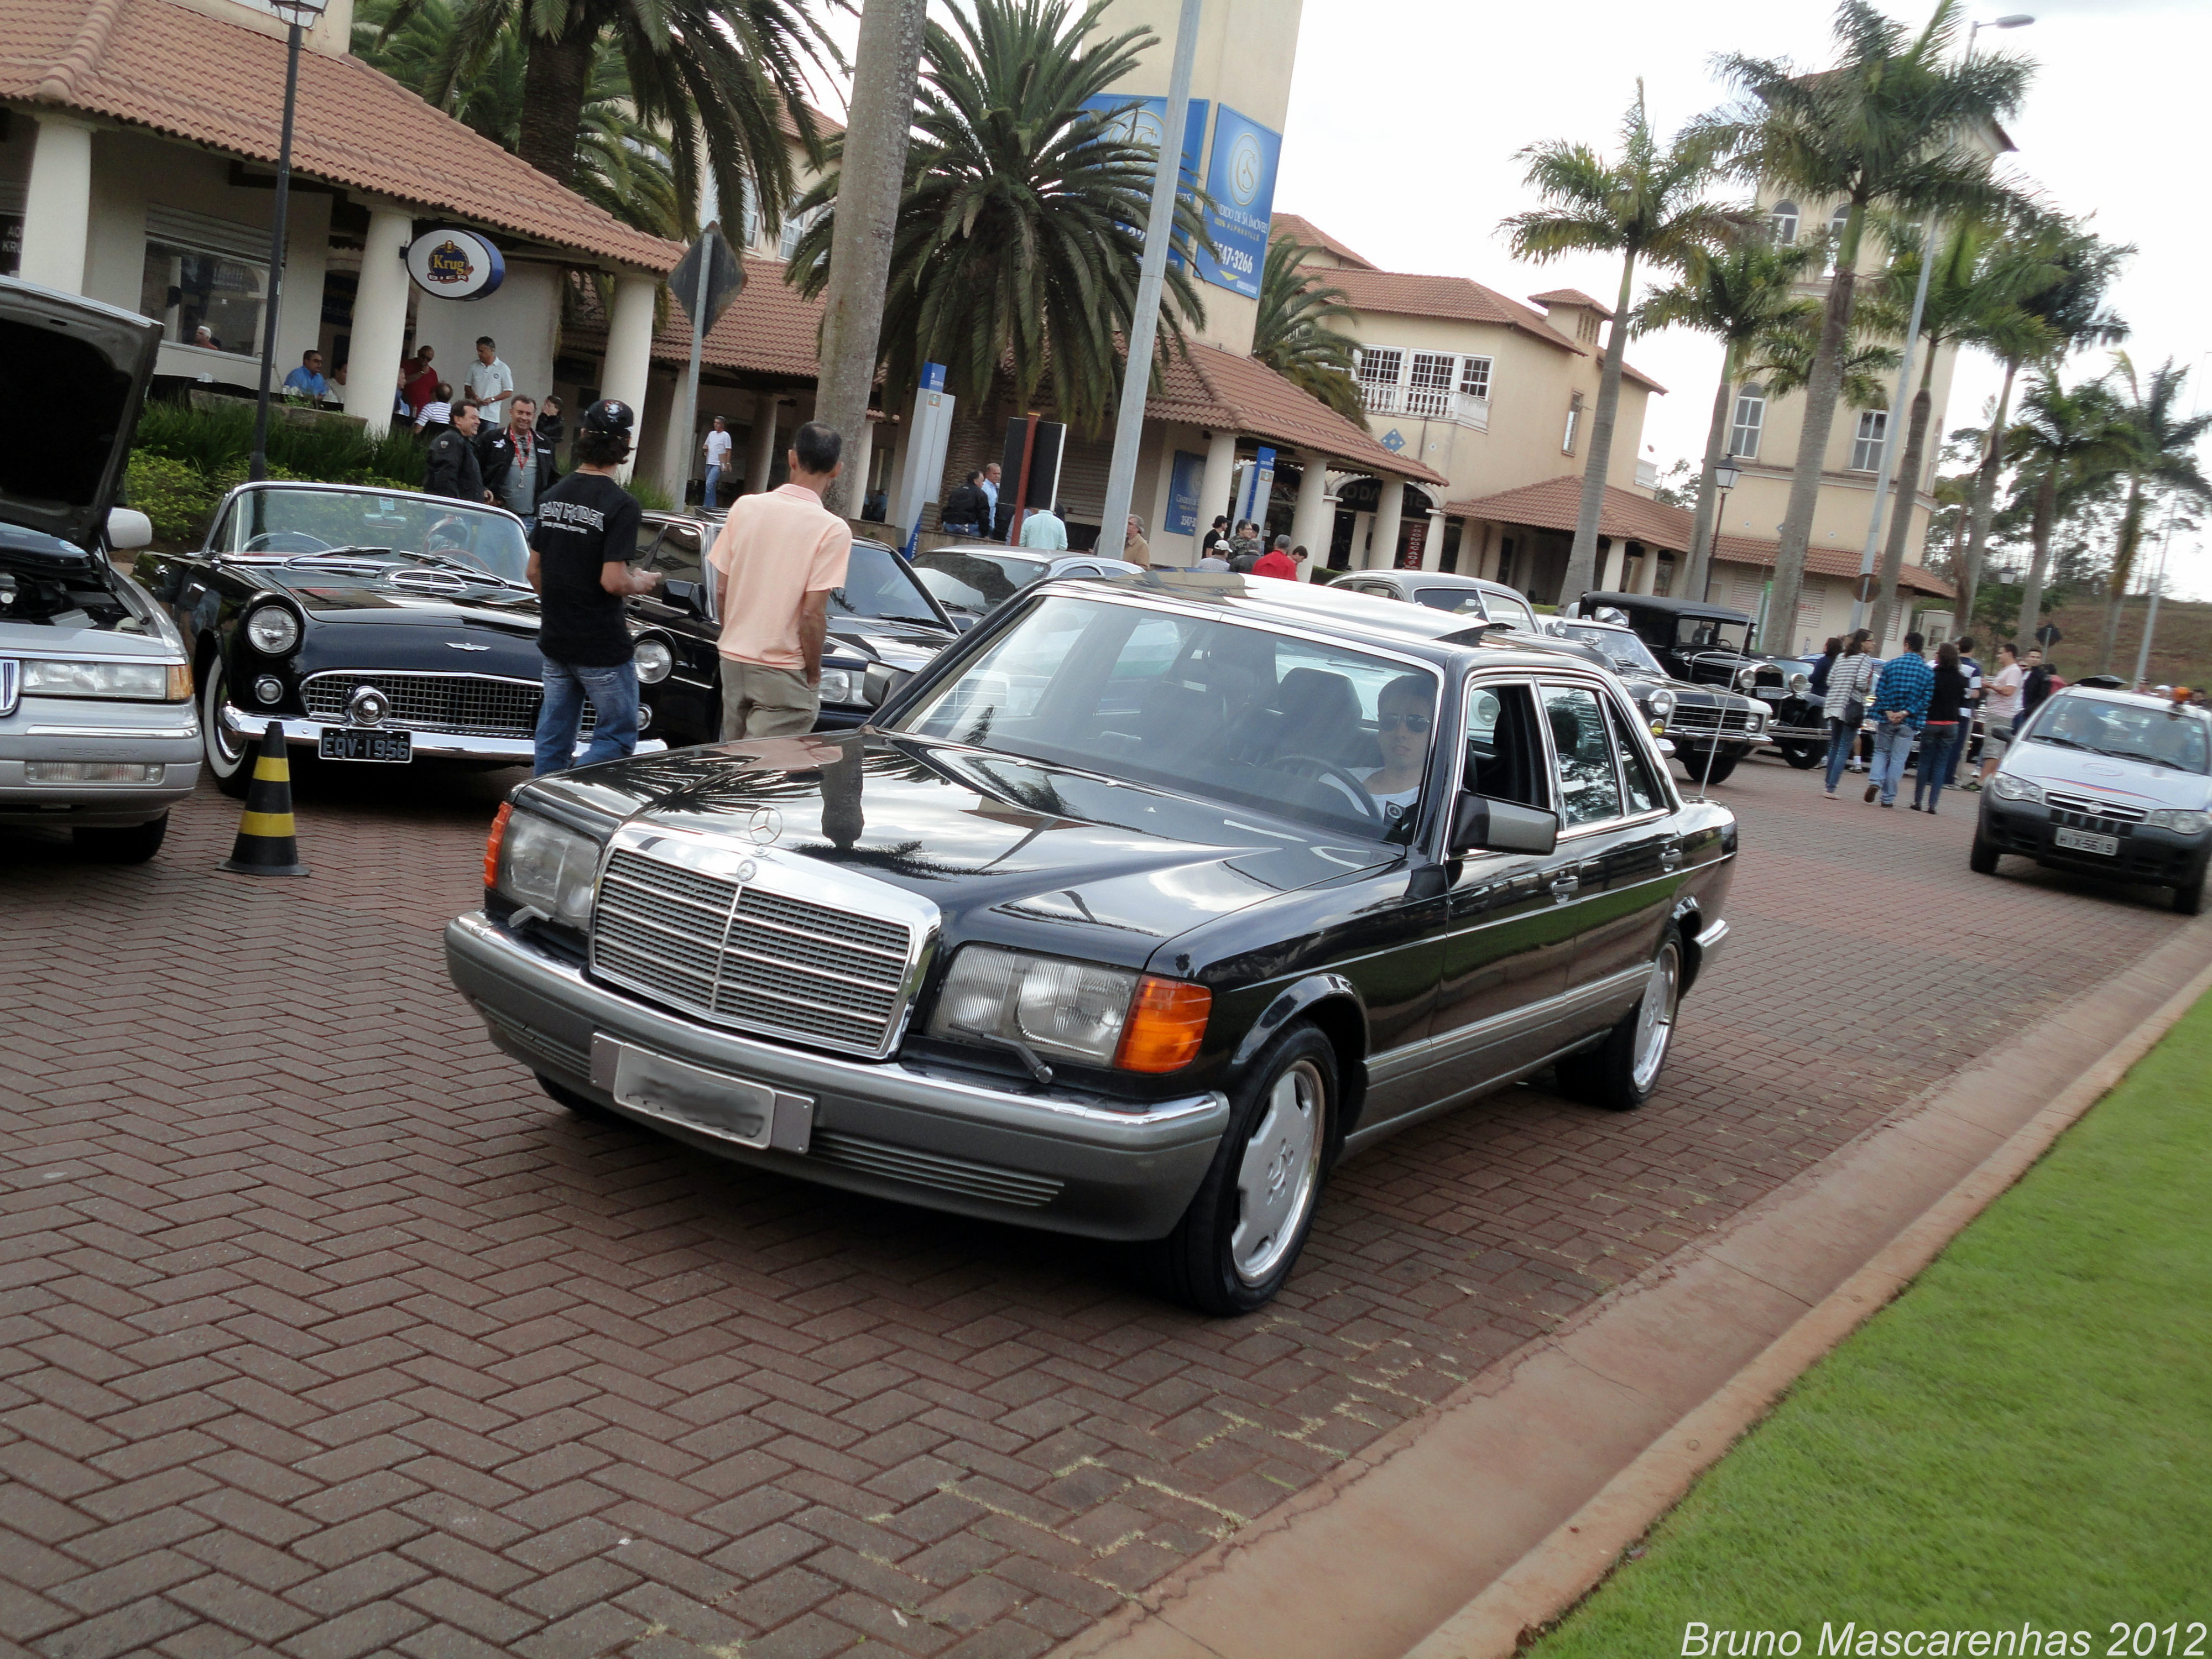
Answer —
1141 120
1185 486
1241 179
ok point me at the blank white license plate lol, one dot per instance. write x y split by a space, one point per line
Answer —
733 1108
2081 840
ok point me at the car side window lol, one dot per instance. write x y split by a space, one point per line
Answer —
677 554
1505 753
1080 570
1589 788
1511 611
1643 792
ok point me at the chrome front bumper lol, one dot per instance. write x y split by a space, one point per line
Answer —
925 1136
68 729
427 745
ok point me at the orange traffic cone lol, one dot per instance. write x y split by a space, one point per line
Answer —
267 843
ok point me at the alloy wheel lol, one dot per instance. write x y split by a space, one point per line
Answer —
1279 1174
1655 1015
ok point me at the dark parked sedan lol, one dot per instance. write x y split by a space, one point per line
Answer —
970 581
1136 911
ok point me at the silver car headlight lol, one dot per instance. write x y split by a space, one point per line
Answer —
1800 685
2179 820
654 661
841 684
148 682
2006 786
1757 718
1064 1009
1746 676
1662 704
540 863
272 629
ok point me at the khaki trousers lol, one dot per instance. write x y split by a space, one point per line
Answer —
759 701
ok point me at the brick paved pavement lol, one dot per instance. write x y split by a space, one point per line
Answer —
322 1333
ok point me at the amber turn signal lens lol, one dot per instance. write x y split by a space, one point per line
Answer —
1167 1021
492 843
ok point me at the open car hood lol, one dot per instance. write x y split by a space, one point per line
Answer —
62 448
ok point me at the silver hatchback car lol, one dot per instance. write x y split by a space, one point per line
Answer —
2107 783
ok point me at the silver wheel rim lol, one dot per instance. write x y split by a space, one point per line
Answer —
1655 1015
220 755
1278 1174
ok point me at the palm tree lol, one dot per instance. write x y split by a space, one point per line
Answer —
2069 444
1021 225
1293 336
726 72
1880 130
2075 316
623 165
2164 464
1739 296
1976 287
1647 205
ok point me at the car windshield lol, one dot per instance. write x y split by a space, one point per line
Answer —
1622 649
960 579
1328 737
2126 731
1709 634
290 523
878 584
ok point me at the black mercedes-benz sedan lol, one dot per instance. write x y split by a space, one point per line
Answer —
1130 916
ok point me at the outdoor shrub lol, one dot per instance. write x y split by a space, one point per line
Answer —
218 441
651 496
172 494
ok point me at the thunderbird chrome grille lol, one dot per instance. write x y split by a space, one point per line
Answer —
473 705
741 953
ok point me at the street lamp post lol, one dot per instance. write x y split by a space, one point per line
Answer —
1725 474
299 15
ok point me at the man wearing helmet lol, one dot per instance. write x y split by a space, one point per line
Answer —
580 557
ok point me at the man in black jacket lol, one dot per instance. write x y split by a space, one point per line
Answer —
450 468
962 514
517 465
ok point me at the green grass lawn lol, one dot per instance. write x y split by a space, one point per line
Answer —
2024 1436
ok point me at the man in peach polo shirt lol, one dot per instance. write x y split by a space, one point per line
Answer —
780 554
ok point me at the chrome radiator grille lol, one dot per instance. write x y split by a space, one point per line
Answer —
1694 719
745 956
2094 813
476 705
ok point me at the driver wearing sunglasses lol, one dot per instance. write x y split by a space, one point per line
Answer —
1402 717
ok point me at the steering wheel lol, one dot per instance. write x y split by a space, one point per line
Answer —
286 541
1314 766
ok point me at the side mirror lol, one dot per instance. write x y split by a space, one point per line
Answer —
128 528
879 682
1482 825
683 595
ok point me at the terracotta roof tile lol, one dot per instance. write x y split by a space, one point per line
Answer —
1553 504
1570 296
1311 234
1211 388
826 124
156 64
1457 298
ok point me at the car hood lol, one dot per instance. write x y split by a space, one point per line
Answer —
2133 781
1020 852
1688 693
338 597
63 463
903 645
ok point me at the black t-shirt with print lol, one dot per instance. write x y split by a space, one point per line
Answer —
586 522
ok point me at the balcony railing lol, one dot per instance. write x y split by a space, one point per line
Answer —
1425 403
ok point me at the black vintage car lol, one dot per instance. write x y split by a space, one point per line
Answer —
1714 646
1711 727
1130 916
884 626
379 626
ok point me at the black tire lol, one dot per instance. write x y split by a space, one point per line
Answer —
582 1105
1695 764
1982 856
1290 1093
1804 757
2189 900
1622 1072
132 845
232 770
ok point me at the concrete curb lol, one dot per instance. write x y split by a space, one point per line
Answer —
1523 1487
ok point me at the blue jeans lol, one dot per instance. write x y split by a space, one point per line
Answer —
714 482
612 693
1939 744
1893 747
1841 739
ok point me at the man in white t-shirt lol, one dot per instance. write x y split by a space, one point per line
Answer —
718 457
2000 708
490 383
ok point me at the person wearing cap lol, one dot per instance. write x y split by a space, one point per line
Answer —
579 555
779 556
450 465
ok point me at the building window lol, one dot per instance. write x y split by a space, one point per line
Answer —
1380 368
205 281
1474 377
1866 448
1750 416
1574 425
1586 327
1782 217
748 220
1429 391
1836 222
795 226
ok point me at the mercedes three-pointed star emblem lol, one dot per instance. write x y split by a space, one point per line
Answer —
765 825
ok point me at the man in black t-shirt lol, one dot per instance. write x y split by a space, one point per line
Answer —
580 557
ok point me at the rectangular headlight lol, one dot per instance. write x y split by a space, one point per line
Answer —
153 682
840 685
1080 1011
552 869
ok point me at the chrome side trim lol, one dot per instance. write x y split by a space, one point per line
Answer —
1442 1050
168 731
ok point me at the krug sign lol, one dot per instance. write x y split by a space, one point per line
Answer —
455 264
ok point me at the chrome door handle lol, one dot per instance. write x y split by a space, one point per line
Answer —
1670 856
1564 888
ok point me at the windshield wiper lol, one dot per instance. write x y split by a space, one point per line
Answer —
473 572
2064 743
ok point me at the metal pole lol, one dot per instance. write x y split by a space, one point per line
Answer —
2157 587
1889 432
1144 326
258 466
